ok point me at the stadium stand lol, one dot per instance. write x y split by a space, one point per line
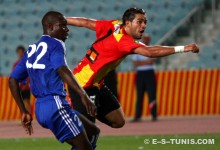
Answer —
209 56
20 23
206 33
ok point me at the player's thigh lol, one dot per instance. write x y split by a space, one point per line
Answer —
110 108
77 103
116 117
55 113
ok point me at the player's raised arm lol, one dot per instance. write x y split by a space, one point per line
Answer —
159 51
68 77
82 22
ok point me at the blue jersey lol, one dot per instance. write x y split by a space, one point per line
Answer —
40 63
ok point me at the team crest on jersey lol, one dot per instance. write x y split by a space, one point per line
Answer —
92 55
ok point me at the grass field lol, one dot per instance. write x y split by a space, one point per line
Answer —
117 143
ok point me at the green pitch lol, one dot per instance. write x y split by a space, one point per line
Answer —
122 143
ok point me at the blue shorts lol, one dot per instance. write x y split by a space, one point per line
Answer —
55 113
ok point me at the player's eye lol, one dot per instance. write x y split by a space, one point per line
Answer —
139 22
63 26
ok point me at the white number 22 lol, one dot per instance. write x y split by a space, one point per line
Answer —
34 49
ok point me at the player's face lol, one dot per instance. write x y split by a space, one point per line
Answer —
61 30
138 25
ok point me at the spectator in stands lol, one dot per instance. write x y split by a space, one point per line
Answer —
25 87
145 82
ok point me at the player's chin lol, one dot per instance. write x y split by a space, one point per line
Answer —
64 38
138 37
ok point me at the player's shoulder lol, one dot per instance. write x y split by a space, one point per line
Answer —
109 22
52 42
116 22
59 42
128 38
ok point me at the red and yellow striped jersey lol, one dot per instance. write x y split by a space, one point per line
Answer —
112 45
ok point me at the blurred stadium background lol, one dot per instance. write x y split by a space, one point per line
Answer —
170 22
188 84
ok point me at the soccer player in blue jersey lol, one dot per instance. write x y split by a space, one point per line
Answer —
44 62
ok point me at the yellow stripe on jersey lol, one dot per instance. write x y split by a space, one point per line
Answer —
118 36
117 22
84 75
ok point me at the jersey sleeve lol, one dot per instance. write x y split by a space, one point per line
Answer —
20 71
127 45
58 57
102 27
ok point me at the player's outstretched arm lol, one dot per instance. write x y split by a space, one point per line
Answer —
159 51
68 77
26 117
82 22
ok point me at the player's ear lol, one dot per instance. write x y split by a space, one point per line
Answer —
50 26
127 22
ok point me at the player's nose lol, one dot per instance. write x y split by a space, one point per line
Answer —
66 29
144 25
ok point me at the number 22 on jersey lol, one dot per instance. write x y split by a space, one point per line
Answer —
33 50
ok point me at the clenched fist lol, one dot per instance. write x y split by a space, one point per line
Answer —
191 47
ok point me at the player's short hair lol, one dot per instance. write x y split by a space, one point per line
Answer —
20 47
129 14
51 17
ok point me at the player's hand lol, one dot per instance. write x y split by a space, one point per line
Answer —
26 121
191 47
90 106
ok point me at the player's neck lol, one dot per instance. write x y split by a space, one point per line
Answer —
127 30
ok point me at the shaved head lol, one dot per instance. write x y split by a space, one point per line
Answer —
51 17
55 25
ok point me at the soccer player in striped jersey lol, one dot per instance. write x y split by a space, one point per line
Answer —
114 41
